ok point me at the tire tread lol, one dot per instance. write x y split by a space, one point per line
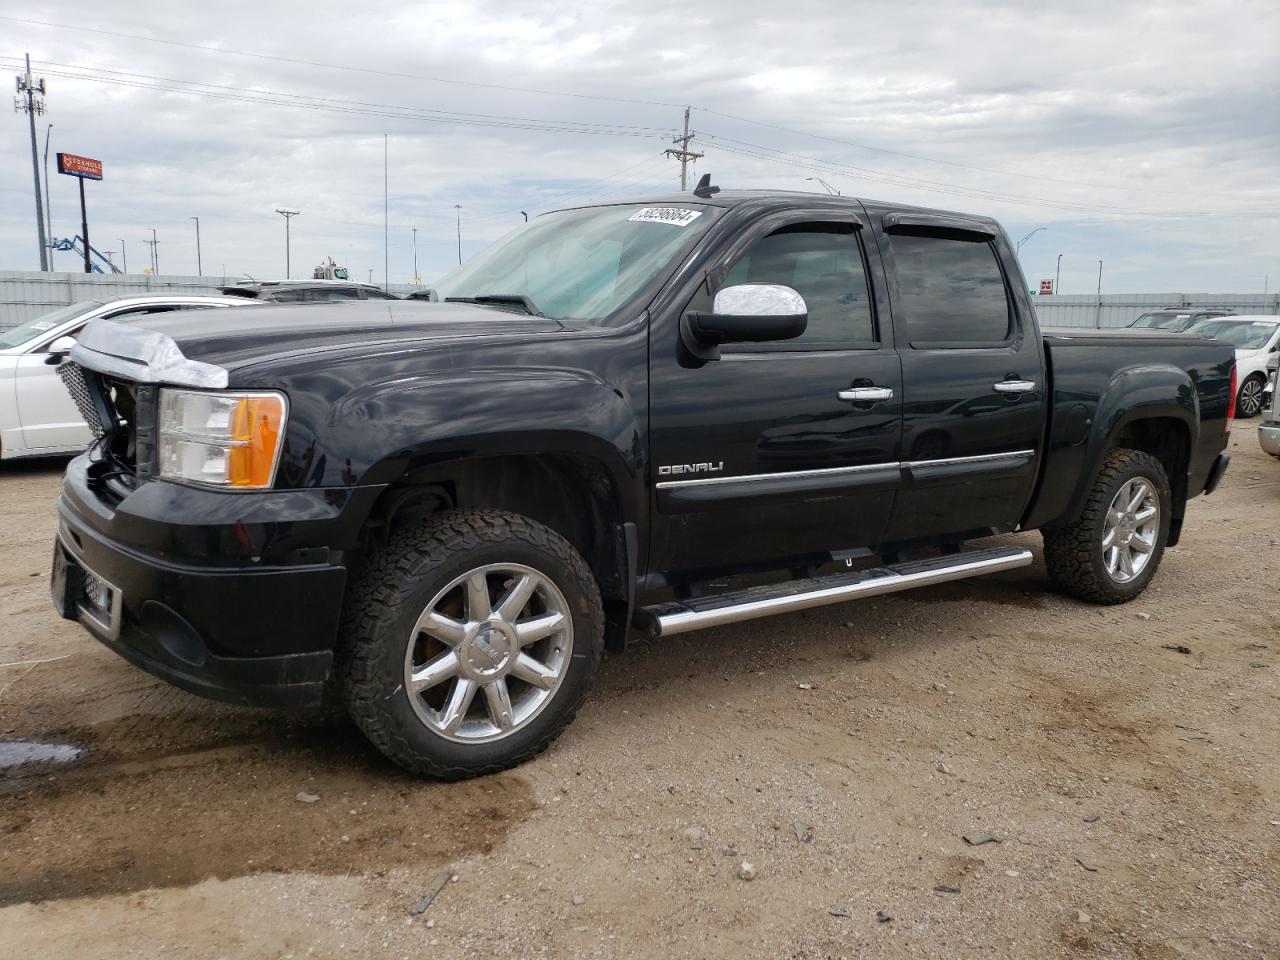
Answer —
386 583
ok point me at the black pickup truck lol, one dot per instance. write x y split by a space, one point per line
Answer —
439 514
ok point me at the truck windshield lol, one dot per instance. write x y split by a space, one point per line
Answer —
581 264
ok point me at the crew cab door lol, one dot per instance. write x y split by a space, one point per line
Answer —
972 378
757 456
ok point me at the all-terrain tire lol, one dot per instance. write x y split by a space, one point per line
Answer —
1073 553
392 591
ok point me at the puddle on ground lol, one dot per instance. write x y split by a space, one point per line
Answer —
23 753
145 824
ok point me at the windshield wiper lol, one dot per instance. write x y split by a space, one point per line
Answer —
501 299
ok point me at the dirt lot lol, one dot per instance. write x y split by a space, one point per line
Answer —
844 752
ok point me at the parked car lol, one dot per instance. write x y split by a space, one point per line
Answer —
37 415
1269 429
1256 340
1176 320
307 291
440 514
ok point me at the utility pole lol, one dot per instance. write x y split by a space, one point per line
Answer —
199 262
124 258
288 215
31 100
1057 277
684 154
48 207
154 244
415 255
458 207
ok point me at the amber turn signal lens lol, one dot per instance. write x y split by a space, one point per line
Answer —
255 435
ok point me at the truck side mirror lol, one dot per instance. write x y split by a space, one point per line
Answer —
749 313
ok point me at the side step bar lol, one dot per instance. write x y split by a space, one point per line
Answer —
697 613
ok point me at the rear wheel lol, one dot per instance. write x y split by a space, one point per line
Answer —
1112 551
1249 399
470 643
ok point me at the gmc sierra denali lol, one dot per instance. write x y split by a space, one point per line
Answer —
439 514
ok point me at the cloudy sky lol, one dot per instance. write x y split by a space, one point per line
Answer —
1146 136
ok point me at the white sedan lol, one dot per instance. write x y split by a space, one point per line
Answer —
37 416
1256 340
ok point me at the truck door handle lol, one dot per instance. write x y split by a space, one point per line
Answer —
1013 386
866 394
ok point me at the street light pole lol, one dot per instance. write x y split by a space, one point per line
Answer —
124 259
1018 247
199 262
415 254
458 207
831 191
1057 277
1098 322
525 215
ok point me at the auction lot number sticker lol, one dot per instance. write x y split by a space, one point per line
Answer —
672 216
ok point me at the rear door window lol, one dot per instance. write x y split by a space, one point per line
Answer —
951 291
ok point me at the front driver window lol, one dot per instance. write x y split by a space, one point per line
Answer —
823 263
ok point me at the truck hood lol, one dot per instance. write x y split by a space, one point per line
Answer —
199 348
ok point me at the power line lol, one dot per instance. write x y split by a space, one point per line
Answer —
88 73
939 160
334 105
800 161
209 48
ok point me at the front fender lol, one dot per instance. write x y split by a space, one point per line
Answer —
383 430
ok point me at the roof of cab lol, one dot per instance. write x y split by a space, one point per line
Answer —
769 198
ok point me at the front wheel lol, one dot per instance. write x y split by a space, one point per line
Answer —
470 643
1112 551
1249 399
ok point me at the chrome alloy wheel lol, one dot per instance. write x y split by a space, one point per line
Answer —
1250 398
1130 531
488 653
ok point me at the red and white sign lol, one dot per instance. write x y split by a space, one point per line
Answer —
1046 287
75 166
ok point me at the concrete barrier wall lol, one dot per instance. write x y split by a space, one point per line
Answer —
1121 309
25 294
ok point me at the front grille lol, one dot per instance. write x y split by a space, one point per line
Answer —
122 415
73 378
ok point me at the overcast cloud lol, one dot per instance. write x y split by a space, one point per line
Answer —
1144 136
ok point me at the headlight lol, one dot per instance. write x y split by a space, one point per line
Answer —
223 438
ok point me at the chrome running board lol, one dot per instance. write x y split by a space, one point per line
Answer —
697 613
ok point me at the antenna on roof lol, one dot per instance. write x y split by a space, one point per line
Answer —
704 188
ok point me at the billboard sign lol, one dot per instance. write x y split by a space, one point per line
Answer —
1046 287
84 167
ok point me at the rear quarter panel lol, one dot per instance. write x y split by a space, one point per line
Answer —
1101 383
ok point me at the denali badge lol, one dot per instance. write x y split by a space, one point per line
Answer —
675 469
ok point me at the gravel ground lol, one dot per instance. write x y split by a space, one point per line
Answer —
1126 758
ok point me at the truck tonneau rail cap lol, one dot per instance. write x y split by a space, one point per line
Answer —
142 355
902 222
